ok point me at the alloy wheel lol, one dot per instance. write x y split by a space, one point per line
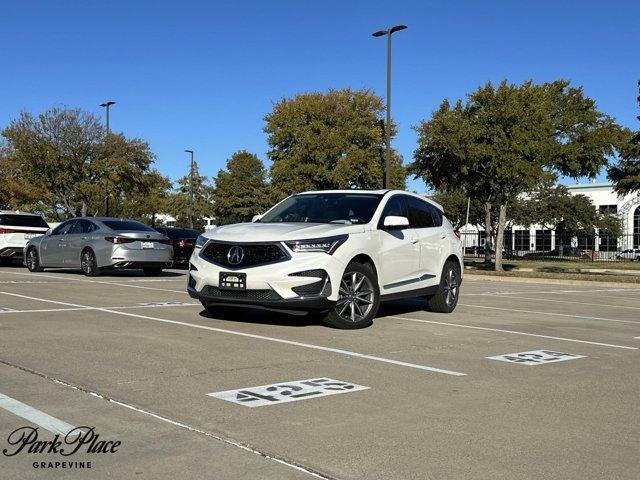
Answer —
355 298
86 262
451 285
32 260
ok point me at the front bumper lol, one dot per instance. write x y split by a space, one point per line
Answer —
288 285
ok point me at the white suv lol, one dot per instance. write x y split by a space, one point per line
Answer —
16 229
336 252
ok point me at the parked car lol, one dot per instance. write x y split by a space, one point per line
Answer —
94 244
629 254
184 241
16 229
336 252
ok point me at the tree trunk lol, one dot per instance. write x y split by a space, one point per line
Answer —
487 232
84 209
502 220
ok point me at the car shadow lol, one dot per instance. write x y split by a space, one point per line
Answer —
267 317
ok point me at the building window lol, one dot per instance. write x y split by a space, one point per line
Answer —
543 240
608 209
636 228
586 243
608 244
521 240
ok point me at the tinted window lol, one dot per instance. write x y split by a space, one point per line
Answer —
64 228
129 225
437 215
396 207
347 208
419 213
22 220
84 226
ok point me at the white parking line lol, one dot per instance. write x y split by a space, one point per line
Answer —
583 292
569 301
34 415
119 307
513 332
250 335
548 313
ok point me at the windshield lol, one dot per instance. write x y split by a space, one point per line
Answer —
347 208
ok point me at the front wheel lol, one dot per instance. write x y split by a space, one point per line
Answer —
358 299
88 263
446 298
33 261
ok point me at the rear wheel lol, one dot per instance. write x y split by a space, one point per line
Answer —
152 271
446 298
33 260
358 298
88 263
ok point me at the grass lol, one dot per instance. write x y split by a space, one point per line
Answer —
593 277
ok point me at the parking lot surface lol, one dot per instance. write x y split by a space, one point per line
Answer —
136 359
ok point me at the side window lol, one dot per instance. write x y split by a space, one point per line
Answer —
420 213
85 226
77 228
64 228
396 206
91 227
437 215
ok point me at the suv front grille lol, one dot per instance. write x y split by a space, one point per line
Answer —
254 254
215 292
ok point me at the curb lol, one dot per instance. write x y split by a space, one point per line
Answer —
497 278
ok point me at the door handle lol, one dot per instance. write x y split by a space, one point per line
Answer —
414 240
84 238
442 235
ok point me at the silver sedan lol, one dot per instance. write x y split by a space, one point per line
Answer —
97 243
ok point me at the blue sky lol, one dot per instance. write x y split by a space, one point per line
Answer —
202 75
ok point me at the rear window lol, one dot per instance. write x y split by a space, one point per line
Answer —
23 221
128 225
180 233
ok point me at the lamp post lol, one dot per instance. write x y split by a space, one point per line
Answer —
190 189
388 33
106 106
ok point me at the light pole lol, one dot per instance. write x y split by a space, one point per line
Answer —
106 105
190 189
388 33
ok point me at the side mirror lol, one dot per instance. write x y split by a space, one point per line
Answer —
48 232
256 218
393 221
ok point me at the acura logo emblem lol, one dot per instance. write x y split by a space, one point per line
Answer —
235 255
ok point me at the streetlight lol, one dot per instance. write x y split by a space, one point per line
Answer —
106 105
388 33
190 189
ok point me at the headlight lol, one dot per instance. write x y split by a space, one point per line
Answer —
326 245
200 241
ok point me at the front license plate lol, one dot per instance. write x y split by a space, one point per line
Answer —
233 281
147 244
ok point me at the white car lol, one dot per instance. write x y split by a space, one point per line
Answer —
336 252
16 229
629 254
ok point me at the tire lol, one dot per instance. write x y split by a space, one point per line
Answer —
33 260
356 307
152 271
88 263
446 298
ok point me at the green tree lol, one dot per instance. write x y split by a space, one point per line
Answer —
626 174
192 200
329 140
241 190
505 141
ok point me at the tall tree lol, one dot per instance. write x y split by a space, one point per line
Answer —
626 174
192 199
240 190
508 140
329 140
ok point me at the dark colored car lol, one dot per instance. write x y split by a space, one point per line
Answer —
184 240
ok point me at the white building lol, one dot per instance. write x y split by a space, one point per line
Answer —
603 197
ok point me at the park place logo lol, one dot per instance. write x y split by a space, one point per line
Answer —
80 440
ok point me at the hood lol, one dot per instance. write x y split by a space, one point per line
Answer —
276 232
